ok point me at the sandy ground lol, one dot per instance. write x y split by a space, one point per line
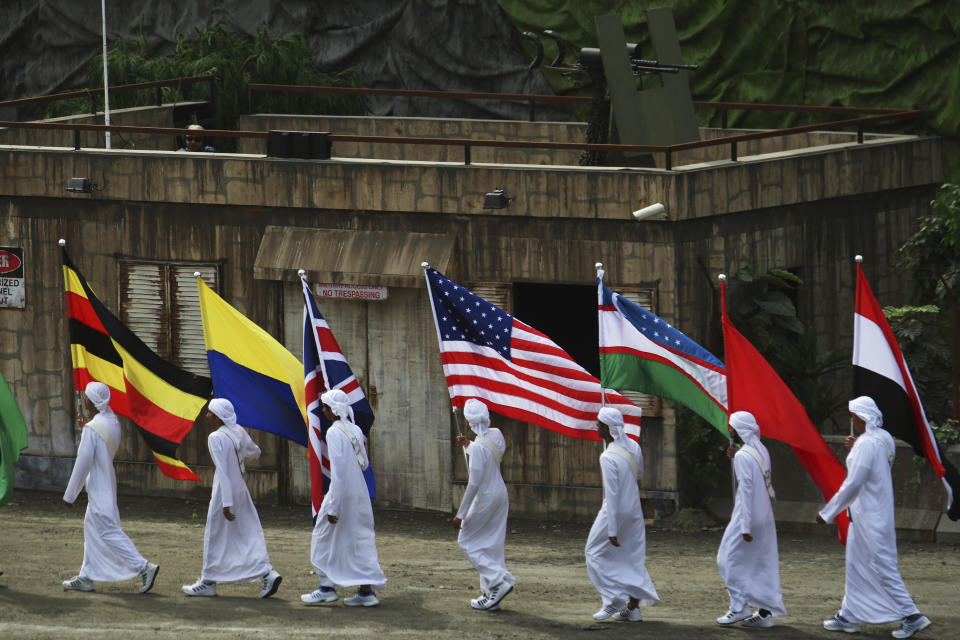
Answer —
429 582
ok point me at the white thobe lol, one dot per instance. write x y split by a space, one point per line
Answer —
874 591
484 514
108 553
233 551
751 570
620 573
345 554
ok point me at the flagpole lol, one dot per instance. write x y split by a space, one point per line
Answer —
106 82
600 272
433 310
723 306
856 305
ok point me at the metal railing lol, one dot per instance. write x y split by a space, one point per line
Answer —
92 94
871 115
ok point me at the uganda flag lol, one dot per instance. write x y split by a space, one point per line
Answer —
160 398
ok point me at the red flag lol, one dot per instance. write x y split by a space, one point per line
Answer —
754 386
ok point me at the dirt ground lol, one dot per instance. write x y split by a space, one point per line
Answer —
429 582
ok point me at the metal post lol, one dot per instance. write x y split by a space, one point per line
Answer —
159 93
859 135
106 80
669 162
466 154
723 118
533 111
76 139
733 151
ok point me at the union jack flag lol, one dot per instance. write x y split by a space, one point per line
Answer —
516 370
325 367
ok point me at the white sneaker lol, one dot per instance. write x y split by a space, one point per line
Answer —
148 576
200 589
757 621
908 628
628 615
839 623
498 593
606 612
368 599
732 616
271 582
78 583
320 595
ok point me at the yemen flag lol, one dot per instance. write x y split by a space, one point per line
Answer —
262 380
641 352
161 399
879 371
754 386
13 438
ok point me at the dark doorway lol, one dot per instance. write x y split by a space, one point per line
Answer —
567 313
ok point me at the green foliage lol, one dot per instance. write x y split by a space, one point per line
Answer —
235 60
933 252
946 432
702 448
762 308
920 333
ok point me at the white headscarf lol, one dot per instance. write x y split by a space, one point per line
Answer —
99 395
745 424
478 417
223 409
867 410
614 420
339 403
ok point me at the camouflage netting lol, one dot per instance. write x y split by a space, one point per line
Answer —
864 53
465 45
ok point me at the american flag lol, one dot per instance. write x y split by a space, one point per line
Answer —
519 372
325 367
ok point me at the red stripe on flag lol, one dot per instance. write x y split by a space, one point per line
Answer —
154 418
176 472
498 364
80 309
118 397
327 342
526 394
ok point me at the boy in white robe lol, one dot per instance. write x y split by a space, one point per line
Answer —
873 591
234 549
747 558
344 547
482 517
617 545
108 553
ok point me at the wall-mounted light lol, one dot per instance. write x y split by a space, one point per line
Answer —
496 199
649 212
80 185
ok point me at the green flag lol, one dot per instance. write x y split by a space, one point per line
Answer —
13 438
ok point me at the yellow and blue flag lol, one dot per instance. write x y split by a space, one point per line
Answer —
252 370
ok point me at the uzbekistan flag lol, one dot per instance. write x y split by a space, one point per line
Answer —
325 367
252 370
516 370
880 371
754 386
160 398
641 352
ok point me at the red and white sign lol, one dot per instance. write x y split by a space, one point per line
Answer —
351 291
9 261
12 289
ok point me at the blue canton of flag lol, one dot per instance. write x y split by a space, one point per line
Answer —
463 315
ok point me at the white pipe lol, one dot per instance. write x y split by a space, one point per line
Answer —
106 82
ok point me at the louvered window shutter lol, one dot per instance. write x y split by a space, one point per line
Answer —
189 350
496 293
143 302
